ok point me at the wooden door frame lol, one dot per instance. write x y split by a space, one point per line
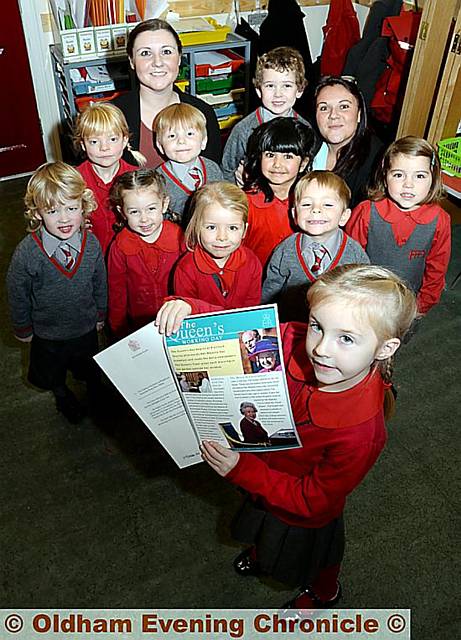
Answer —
436 20
447 111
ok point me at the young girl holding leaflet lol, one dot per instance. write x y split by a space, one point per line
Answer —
338 372
102 132
402 226
278 152
216 273
143 254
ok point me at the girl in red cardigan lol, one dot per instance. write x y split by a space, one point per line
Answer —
338 372
278 153
101 131
143 254
217 272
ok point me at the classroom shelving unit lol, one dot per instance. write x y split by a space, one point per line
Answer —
189 81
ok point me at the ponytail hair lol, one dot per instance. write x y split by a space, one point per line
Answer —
132 181
382 300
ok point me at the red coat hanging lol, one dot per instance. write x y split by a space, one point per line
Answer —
402 31
340 33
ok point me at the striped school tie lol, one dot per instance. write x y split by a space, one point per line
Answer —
319 255
69 260
196 177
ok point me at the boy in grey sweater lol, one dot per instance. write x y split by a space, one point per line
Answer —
56 284
321 202
279 81
181 135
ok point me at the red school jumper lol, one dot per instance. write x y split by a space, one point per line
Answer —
102 218
268 224
198 287
342 435
139 275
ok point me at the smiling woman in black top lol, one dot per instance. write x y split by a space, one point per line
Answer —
154 51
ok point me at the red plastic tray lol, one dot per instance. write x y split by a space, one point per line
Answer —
235 62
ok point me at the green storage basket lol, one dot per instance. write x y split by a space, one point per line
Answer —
450 156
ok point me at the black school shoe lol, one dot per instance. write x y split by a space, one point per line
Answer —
307 599
245 564
70 407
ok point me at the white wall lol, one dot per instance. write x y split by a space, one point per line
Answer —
38 42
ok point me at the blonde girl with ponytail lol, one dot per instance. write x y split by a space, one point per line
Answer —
338 370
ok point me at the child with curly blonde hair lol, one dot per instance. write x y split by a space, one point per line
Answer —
57 285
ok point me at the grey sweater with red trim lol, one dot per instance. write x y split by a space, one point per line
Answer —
286 282
180 196
49 302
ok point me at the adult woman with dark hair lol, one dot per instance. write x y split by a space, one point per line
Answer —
154 51
349 148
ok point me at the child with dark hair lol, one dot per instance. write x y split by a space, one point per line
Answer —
279 81
279 151
402 226
142 255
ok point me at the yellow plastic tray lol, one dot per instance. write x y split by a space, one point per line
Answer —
204 37
225 123
182 84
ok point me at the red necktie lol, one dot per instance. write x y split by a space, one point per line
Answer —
319 255
196 177
69 263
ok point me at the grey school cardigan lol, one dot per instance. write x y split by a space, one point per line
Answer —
50 302
288 276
